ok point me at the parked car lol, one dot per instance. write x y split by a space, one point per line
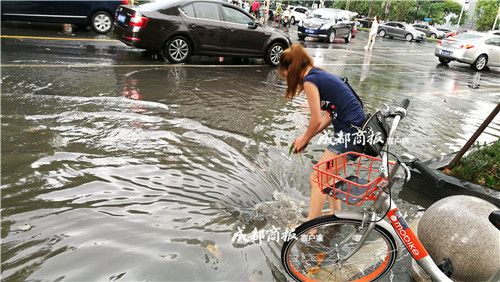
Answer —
298 13
447 32
97 14
179 29
365 22
327 24
477 49
400 30
430 31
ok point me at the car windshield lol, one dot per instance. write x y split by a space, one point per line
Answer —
324 14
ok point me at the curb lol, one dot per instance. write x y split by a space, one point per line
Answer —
418 184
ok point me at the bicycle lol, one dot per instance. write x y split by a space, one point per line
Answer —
360 246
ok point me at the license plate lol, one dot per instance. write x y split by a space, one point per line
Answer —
446 53
310 30
121 18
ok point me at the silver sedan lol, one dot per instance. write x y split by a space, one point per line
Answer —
477 49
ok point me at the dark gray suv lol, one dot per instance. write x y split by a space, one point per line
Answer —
400 30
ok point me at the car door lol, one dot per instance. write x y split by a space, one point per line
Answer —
26 10
345 23
390 28
243 35
204 21
73 11
299 13
400 30
493 49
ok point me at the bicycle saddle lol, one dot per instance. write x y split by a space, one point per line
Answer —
495 218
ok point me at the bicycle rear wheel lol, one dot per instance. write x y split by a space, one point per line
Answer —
320 244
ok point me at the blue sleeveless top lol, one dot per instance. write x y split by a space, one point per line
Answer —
341 101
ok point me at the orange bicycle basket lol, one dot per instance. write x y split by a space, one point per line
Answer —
352 181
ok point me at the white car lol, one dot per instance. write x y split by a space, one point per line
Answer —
298 13
474 48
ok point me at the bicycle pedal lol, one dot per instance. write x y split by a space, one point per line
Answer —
446 267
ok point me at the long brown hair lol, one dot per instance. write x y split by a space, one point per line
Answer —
295 60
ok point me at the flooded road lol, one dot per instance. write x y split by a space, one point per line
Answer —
118 166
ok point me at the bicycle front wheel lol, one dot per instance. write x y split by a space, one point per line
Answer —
319 249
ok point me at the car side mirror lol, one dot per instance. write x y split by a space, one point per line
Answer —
252 25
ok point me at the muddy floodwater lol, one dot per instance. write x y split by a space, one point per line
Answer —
147 172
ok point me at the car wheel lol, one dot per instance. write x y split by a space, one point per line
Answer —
177 50
292 20
348 38
331 37
480 62
273 54
382 33
409 37
101 22
444 61
302 37
433 36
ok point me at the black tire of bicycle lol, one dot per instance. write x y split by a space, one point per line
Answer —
330 219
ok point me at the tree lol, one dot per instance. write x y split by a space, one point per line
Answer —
486 11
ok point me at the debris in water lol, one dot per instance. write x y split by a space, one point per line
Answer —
214 250
37 128
25 227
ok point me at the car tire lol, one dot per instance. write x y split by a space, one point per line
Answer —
273 54
433 36
302 37
348 38
409 37
177 50
444 61
331 37
101 22
480 63
292 20
382 33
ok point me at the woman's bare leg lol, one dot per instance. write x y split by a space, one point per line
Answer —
372 41
336 205
317 198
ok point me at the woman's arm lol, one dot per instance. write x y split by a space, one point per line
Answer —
326 120
315 120
313 100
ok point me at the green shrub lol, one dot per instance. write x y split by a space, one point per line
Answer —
481 166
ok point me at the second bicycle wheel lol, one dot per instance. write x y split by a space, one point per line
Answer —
317 252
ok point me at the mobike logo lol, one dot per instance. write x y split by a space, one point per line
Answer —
406 238
406 235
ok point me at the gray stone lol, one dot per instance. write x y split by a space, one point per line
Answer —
458 228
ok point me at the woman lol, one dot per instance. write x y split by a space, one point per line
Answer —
325 91
372 35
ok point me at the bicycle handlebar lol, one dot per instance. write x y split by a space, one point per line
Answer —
429 174
405 103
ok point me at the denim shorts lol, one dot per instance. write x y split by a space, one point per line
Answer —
341 148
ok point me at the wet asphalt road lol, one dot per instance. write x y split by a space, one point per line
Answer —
127 168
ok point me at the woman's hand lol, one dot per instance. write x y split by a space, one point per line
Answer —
300 144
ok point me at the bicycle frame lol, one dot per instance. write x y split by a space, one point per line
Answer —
384 203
